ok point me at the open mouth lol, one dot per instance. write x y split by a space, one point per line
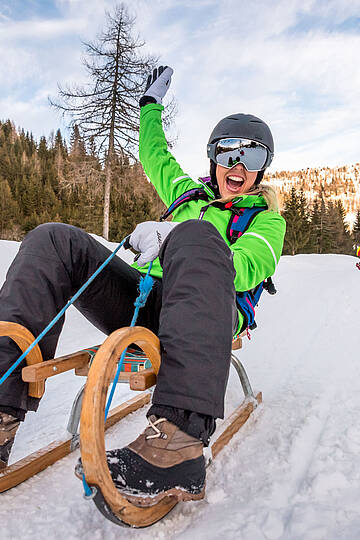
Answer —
234 183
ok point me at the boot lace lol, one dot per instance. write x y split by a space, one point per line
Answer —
158 434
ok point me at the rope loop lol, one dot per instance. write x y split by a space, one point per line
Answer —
145 286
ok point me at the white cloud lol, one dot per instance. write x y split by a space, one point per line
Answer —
228 56
39 29
32 115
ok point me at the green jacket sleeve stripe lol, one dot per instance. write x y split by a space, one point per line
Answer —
266 242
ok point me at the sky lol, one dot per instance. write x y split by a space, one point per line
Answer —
293 63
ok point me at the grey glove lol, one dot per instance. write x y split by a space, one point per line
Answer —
147 238
157 85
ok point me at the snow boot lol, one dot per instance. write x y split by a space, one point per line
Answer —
8 428
162 461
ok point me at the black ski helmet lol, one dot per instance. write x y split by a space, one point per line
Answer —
241 125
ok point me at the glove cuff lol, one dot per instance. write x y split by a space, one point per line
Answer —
145 100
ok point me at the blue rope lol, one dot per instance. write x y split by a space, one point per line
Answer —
145 287
87 489
61 313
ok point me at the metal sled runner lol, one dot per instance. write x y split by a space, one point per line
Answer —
92 428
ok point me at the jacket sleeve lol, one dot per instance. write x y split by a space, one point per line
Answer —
159 164
257 252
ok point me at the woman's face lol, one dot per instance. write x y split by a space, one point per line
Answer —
235 180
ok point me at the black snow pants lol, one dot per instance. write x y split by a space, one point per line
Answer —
192 310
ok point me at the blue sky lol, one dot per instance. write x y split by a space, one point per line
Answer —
294 63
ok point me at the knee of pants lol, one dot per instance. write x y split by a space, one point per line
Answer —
194 239
45 230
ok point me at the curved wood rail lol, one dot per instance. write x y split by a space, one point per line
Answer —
23 338
92 442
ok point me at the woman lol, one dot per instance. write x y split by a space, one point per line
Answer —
191 306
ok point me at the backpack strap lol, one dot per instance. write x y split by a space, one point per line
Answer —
194 194
240 221
247 300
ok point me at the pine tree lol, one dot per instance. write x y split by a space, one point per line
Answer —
92 147
77 143
60 154
9 210
316 223
340 241
295 212
356 229
344 243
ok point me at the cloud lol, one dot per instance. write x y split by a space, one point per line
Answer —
32 115
293 63
39 30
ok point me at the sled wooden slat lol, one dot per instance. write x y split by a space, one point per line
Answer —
92 441
233 424
47 369
34 463
41 459
142 380
237 343
23 338
78 361
82 371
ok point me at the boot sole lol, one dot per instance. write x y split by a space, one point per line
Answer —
143 501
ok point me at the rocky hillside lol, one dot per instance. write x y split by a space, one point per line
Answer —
338 184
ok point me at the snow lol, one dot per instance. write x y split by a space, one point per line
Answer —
291 473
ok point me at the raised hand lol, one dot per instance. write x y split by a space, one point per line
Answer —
157 84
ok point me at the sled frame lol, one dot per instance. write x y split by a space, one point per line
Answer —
38 371
107 498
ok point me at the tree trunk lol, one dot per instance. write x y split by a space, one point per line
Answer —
107 190
110 156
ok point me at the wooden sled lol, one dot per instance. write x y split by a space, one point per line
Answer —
107 498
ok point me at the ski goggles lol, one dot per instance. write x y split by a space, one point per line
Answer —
229 152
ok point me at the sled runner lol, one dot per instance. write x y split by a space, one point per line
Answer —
107 498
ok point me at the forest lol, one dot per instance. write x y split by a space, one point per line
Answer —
53 180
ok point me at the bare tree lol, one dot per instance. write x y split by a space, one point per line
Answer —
106 109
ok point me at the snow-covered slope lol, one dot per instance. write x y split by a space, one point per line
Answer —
293 472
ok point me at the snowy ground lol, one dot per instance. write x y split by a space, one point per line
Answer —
293 472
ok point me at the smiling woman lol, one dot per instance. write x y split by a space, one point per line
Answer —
208 260
209 265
